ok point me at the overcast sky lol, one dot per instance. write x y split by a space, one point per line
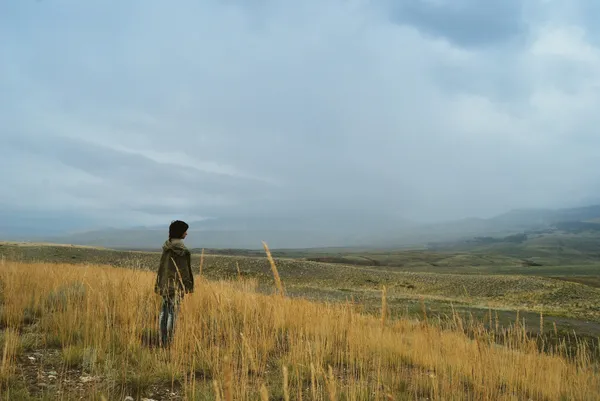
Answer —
140 111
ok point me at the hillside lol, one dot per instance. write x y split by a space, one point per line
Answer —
88 332
470 281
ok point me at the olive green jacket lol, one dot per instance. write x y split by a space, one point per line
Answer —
175 270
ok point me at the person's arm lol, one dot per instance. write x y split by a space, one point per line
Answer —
190 272
159 273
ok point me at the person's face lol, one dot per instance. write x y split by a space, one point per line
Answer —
184 235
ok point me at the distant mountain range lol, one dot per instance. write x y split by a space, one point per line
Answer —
368 229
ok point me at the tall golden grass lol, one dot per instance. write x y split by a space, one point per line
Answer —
278 282
233 343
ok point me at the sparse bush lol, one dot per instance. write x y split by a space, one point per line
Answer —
30 341
89 358
60 298
73 356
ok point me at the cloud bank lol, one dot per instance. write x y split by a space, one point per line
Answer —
137 112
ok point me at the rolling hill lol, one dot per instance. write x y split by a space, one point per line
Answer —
367 230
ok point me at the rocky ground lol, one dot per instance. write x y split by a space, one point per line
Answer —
45 377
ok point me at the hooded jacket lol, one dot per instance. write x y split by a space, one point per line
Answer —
175 270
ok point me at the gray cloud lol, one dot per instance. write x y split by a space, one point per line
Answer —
135 111
464 22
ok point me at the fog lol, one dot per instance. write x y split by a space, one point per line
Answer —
123 113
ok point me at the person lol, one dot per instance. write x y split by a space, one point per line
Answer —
174 279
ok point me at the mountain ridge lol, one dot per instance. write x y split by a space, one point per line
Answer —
354 230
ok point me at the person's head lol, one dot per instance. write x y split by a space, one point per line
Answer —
178 229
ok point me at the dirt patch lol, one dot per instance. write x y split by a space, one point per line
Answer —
42 372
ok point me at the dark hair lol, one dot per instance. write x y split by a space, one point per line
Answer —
177 229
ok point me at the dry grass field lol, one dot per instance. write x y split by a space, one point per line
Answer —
470 281
87 332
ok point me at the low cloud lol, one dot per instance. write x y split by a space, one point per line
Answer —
130 112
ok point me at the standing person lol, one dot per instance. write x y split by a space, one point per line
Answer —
174 279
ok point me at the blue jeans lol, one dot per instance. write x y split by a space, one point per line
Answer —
168 315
